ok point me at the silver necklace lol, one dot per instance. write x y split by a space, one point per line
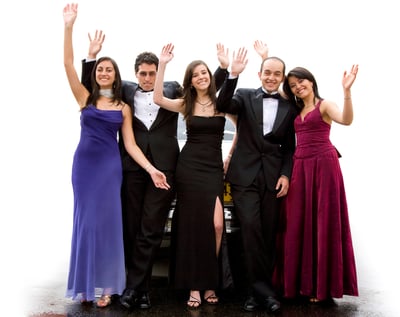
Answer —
205 105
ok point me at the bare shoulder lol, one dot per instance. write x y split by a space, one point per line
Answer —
126 109
327 105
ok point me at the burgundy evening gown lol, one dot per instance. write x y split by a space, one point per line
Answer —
315 250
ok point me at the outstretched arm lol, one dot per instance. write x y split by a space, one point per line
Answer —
175 105
158 177
345 116
81 94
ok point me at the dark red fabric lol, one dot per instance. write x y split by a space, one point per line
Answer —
315 251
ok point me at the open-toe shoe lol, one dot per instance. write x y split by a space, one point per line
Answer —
193 302
104 301
212 299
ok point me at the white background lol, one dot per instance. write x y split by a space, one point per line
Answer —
39 121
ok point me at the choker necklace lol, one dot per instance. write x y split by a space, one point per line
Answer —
107 93
205 105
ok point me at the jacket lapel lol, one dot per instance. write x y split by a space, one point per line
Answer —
280 114
258 109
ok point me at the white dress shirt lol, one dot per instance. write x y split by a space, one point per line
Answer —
270 108
145 108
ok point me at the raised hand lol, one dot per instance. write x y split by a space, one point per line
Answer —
239 61
349 78
223 56
70 13
261 49
95 44
167 53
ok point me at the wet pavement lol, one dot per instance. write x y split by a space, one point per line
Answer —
47 301
172 304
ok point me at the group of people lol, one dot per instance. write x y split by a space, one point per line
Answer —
286 182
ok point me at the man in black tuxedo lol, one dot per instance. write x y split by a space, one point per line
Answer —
259 172
145 208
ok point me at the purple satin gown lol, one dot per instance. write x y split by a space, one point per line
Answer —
97 255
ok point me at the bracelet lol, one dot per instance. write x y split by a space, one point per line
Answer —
347 98
146 168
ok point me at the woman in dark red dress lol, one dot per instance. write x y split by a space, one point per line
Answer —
317 258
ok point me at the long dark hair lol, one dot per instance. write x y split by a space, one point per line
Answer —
190 93
299 73
117 85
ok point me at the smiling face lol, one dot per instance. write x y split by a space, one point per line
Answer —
201 78
300 87
301 83
272 74
105 74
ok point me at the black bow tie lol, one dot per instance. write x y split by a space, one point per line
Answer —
142 90
266 95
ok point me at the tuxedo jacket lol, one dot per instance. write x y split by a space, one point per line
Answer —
272 153
160 142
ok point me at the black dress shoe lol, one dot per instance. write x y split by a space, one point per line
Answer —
250 304
271 304
143 301
129 298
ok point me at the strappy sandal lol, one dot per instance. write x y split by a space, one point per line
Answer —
212 299
193 302
104 301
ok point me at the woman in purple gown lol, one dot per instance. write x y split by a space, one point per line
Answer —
97 256
317 259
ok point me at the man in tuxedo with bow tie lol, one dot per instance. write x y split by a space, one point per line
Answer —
259 172
145 208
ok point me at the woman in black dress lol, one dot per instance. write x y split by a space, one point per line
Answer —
199 264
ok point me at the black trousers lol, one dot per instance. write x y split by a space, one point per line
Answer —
258 212
145 210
